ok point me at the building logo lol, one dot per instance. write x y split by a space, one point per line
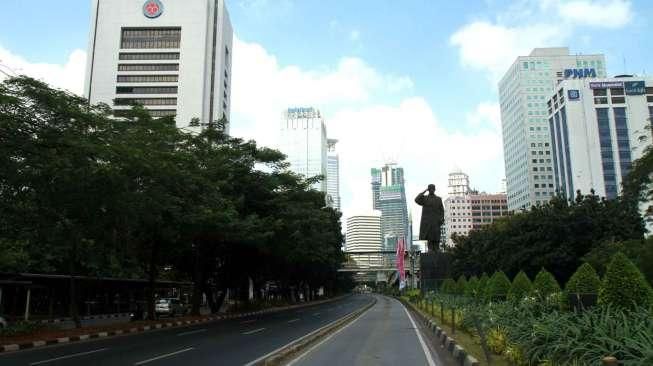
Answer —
606 84
152 9
634 87
573 94
580 73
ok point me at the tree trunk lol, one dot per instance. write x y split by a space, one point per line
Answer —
74 311
198 284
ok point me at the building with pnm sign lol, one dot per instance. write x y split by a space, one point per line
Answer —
171 56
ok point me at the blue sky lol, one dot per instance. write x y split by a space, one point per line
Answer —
413 81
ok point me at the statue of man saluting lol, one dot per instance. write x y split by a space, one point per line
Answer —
432 217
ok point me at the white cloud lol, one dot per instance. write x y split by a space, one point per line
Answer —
369 131
69 76
492 46
486 115
604 14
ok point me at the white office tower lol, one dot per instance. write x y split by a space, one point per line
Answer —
523 92
171 56
364 232
600 126
333 174
304 141
458 183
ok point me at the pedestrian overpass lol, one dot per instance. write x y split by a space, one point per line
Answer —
377 266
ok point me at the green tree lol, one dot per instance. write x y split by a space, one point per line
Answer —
624 285
545 284
472 288
448 286
498 286
461 284
584 281
520 288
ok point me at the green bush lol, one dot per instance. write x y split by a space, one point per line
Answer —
460 285
413 295
471 289
448 286
624 285
21 328
482 284
498 286
520 288
545 284
584 281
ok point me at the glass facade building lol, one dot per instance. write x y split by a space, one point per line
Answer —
389 196
526 129
333 174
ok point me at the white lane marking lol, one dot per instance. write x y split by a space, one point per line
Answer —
68 356
248 321
192 332
254 331
326 339
316 314
164 356
293 320
425 348
256 361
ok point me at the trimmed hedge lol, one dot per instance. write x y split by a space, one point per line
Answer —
545 284
624 286
584 281
461 284
498 286
520 288
471 289
482 284
448 286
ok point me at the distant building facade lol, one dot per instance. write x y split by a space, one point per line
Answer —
333 174
364 233
389 196
523 92
597 128
304 141
470 211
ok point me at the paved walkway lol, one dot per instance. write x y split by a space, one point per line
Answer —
384 335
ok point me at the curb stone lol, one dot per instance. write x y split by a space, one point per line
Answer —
167 324
458 352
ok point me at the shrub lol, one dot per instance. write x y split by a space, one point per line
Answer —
584 281
520 288
545 284
460 285
497 340
21 328
482 284
624 285
498 286
448 286
414 295
471 289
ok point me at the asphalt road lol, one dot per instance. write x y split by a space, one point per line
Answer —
227 342
384 335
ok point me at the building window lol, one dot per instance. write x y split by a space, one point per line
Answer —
618 100
146 90
605 141
147 78
148 67
152 112
145 101
616 91
600 92
150 38
132 56
623 140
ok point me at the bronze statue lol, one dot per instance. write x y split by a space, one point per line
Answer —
432 217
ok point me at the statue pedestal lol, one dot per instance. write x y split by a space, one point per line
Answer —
434 268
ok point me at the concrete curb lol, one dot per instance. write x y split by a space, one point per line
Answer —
284 354
448 343
156 326
89 317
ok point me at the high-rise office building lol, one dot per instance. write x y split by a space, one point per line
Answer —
304 141
523 92
470 210
333 174
389 196
458 183
364 233
171 56
597 127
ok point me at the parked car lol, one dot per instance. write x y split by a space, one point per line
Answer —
170 307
